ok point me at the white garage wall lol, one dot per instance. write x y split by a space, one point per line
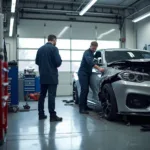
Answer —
130 34
33 33
143 33
11 48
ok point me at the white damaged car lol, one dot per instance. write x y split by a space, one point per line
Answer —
124 87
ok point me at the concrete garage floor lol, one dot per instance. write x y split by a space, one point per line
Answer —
76 132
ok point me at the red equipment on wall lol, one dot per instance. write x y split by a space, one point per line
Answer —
3 99
4 96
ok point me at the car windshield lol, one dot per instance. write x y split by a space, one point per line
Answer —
112 56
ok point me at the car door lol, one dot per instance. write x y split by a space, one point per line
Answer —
94 86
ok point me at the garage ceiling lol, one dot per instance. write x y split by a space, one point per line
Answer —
69 9
115 3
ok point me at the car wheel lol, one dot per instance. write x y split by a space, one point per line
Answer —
75 94
109 104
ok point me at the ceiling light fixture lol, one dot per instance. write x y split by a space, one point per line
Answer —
63 31
13 6
87 7
11 26
106 33
141 17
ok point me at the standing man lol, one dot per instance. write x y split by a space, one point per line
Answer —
84 74
48 60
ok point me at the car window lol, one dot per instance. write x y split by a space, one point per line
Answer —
111 56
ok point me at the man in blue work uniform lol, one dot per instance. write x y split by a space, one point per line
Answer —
48 60
84 74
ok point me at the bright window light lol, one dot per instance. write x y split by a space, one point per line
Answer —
63 31
11 26
106 33
141 17
108 44
31 43
87 7
13 6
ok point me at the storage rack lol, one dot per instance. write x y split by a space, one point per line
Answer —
29 84
3 99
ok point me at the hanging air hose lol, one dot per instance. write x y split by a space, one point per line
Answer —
5 52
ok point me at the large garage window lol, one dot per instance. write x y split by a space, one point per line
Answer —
77 55
80 44
65 67
27 64
27 54
108 44
65 54
31 54
75 66
27 49
71 44
30 42
63 44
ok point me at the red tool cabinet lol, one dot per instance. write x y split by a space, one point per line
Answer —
3 100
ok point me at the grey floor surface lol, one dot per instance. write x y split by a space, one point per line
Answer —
76 132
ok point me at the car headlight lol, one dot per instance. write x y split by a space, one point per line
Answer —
134 77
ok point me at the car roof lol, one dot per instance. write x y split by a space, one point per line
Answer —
122 49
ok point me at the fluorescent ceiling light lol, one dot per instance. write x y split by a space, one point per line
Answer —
87 7
63 31
11 26
106 33
13 6
141 17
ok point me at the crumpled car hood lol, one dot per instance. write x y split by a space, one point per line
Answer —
141 62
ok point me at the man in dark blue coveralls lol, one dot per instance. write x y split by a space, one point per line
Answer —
84 74
48 60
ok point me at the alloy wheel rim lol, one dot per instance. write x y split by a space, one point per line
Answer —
106 105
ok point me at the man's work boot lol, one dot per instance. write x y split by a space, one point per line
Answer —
55 118
42 117
88 108
82 111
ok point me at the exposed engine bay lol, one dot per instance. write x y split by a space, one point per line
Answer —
141 66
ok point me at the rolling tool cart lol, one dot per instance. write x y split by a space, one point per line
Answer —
13 87
29 85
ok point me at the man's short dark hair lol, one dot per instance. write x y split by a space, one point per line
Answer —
52 37
94 43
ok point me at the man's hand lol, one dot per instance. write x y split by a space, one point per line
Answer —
101 69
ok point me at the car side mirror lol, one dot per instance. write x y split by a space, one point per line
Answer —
100 61
97 54
95 60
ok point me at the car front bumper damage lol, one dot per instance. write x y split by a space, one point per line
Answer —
132 98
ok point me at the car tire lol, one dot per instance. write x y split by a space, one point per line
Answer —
109 105
75 94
